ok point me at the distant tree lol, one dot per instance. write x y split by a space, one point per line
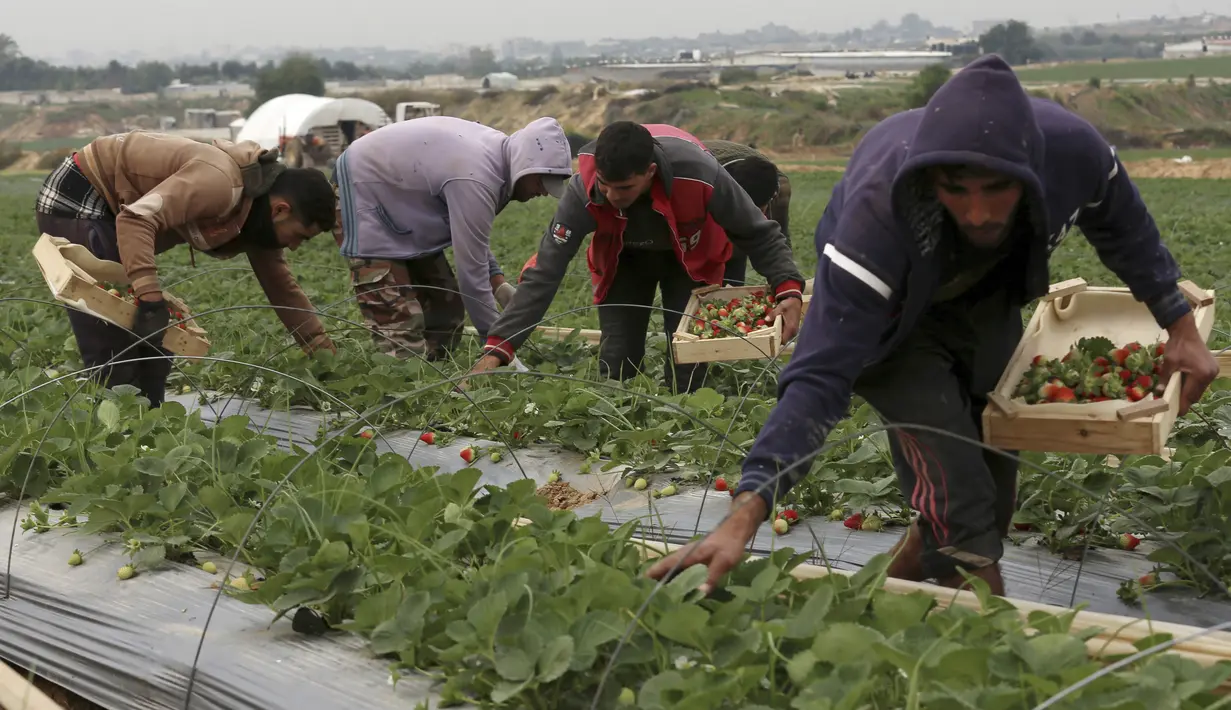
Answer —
8 48
1011 40
147 78
926 83
297 74
1067 39
1089 39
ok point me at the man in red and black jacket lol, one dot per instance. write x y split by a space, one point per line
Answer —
664 214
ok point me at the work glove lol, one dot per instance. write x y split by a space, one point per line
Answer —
152 320
504 294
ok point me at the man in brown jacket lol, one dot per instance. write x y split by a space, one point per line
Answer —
129 196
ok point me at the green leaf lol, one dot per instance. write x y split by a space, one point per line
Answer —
485 615
513 664
555 658
109 415
150 557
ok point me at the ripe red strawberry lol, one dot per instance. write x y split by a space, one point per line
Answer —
1063 394
761 322
790 516
1159 349
1136 394
1133 347
1129 542
723 313
1038 360
1101 361
428 437
720 484
365 434
1100 398
854 522
1145 382
468 454
1148 579
1119 355
732 492
1126 376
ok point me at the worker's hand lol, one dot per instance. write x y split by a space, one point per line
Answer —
487 363
1187 353
320 342
151 321
504 294
791 310
723 548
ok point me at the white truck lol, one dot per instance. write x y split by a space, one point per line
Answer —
407 110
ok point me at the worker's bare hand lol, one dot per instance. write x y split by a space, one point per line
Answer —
791 311
1187 353
487 363
722 549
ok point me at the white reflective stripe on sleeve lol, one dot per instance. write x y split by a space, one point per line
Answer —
845 263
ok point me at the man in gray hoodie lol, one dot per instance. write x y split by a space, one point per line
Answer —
410 190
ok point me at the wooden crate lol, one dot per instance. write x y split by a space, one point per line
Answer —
1071 311
75 277
757 345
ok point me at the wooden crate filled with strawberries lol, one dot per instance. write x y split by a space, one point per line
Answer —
727 323
1086 376
84 282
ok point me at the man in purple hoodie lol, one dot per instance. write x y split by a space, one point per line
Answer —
410 190
935 238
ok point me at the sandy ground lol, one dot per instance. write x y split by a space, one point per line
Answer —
561 496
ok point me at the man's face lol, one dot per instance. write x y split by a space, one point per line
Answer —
529 187
621 194
982 203
288 230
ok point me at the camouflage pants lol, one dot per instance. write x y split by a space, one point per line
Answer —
404 320
411 307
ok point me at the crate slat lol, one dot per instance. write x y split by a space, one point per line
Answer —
74 276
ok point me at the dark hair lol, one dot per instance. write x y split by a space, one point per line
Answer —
310 195
623 149
757 176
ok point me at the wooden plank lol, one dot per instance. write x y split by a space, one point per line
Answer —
1196 295
18 693
1065 288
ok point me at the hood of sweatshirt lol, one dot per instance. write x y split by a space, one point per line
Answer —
541 147
982 117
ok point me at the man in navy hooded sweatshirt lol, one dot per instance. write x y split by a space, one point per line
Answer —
935 238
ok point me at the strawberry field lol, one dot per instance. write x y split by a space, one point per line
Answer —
362 501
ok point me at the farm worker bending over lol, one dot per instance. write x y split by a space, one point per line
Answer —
768 187
409 190
129 196
657 203
934 239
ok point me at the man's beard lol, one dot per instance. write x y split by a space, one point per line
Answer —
258 229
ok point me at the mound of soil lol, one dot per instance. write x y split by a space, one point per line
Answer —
562 496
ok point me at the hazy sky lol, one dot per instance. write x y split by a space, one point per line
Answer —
165 26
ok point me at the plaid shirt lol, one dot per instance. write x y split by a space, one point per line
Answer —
67 193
